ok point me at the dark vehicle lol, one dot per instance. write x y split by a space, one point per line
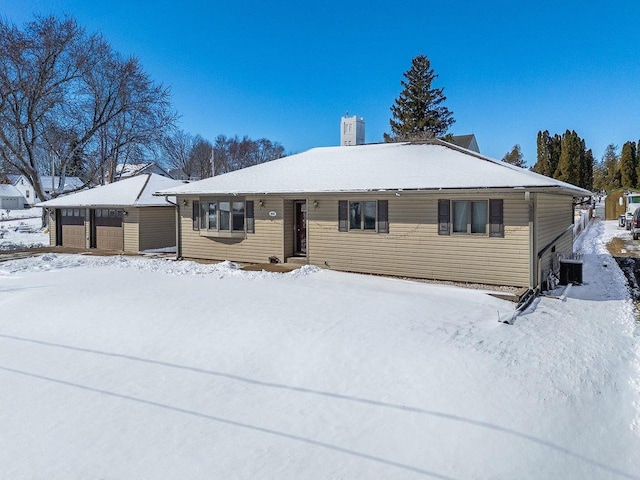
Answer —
635 224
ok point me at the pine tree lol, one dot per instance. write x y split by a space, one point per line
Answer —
555 149
637 160
588 164
542 161
548 155
418 112
610 169
76 166
569 166
628 164
515 157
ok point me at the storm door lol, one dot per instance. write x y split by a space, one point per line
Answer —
300 227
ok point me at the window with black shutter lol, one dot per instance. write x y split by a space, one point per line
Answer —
251 224
444 217
195 214
383 216
496 218
343 216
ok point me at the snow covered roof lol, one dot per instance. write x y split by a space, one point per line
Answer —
134 192
70 183
387 166
9 191
126 170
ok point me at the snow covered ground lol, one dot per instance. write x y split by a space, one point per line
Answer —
22 229
125 367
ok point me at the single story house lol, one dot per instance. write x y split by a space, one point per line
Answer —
428 210
49 184
11 198
122 216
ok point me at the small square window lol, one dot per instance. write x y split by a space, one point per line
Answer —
362 215
470 216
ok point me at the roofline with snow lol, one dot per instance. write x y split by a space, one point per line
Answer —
565 188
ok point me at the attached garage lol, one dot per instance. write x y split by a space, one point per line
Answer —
70 227
122 216
107 228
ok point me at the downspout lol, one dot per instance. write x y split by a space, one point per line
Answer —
178 229
530 199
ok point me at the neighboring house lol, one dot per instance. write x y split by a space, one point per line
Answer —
179 174
465 141
48 183
133 169
11 198
425 210
121 216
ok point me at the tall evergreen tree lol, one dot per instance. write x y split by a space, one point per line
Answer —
515 157
588 164
77 165
548 155
628 164
555 149
542 160
418 112
637 156
569 166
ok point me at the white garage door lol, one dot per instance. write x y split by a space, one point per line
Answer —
10 203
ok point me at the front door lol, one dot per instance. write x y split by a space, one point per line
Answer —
300 213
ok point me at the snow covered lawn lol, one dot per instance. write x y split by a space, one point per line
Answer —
22 229
142 368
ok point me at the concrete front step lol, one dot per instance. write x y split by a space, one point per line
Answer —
297 260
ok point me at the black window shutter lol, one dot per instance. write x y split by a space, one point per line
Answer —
195 214
343 216
496 218
251 223
383 216
444 215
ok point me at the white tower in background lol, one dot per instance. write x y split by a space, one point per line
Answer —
351 130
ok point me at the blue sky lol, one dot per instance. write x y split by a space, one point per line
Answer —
288 71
